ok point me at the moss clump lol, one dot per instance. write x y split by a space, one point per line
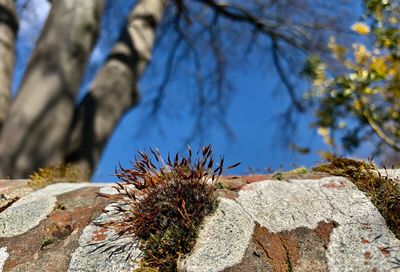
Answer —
298 170
48 241
164 203
57 173
383 191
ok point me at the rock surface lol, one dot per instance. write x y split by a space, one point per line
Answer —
297 223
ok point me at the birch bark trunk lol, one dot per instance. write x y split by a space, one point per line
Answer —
115 88
35 132
8 33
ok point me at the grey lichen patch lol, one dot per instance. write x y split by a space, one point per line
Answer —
27 212
283 206
22 217
223 240
97 249
108 190
3 257
363 248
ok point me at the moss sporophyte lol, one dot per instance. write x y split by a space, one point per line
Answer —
162 203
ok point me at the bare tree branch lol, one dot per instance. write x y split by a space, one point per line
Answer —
376 128
284 77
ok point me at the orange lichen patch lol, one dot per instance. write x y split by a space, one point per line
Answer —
367 257
384 250
99 235
301 249
335 185
364 241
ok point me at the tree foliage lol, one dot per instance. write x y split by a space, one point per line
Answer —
358 92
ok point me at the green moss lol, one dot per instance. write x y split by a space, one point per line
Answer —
383 191
48 241
175 212
278 176
59 207
221 186
167 206
57 173
299 170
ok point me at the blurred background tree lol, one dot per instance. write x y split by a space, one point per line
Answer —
199 44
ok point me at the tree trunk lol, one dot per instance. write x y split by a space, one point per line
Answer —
8 32
115 88
35 132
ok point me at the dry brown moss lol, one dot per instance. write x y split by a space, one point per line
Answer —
383 191
164 204
57 173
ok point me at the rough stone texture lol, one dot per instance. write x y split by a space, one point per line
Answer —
108 190
11 191
317 223
100 250
47 246
28 211
224 239
3 257
282 206
300 249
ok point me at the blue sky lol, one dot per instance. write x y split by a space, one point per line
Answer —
252 114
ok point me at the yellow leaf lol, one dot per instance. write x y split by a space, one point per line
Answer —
379 66
357 105
326 135
360 28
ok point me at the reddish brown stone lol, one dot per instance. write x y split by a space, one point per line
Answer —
48 246
301 249
256 178
284 176
235 184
